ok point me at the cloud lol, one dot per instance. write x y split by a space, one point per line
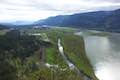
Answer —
39 9
115 1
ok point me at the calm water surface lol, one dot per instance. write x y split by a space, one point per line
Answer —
104 54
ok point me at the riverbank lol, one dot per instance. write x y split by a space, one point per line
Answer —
74 49
104 53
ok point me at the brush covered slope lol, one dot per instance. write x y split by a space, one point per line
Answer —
32 54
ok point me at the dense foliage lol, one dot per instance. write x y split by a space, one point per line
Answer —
20 55
14 51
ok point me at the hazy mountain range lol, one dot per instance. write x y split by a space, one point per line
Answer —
107 20
91 20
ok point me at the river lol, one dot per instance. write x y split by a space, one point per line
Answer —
104 54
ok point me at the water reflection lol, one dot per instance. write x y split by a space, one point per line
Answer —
104 54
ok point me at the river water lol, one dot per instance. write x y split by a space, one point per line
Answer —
104 54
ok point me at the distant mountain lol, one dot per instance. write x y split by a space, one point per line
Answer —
90 20
3 27
99 20
112 22
22 22
18 24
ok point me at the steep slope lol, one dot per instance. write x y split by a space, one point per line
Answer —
82 20
112 22
92 20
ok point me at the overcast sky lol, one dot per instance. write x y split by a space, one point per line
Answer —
40 9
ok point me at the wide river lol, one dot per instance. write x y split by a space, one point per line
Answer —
104 54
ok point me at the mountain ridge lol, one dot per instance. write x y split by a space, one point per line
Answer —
91 20
98 20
